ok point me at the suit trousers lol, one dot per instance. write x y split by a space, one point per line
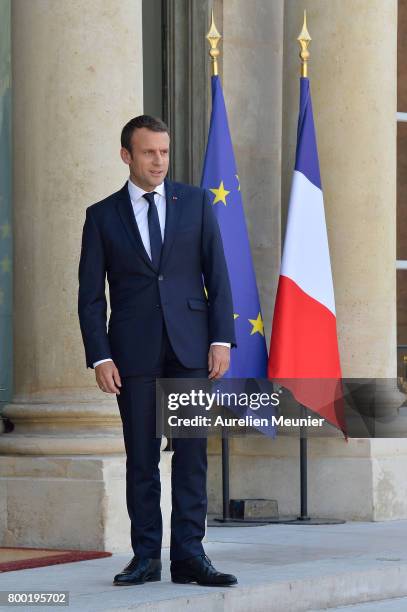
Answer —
188 471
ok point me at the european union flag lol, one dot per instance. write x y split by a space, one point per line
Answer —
220 178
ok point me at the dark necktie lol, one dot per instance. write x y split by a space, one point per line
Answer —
156 242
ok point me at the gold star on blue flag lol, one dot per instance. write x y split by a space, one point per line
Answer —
257 325
220 194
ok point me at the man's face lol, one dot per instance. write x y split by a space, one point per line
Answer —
149 158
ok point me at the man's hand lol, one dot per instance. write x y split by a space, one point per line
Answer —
218 360
108 377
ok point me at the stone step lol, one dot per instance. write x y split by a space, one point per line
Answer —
280 568
296 589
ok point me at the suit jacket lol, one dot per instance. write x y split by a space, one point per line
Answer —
143 297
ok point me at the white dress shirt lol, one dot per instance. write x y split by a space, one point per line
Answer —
140 209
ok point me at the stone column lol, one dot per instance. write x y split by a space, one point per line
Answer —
354 91
5 210
77 78
353 82
252 56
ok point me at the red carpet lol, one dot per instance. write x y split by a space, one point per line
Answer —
12 559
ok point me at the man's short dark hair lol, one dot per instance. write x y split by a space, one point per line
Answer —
142 121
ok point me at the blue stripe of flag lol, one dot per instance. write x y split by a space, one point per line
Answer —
306 160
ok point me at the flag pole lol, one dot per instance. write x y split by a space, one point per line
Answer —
213 37
292 353
255 353
304 40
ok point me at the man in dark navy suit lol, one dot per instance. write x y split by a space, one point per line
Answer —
158 242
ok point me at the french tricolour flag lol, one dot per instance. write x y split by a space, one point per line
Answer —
304 345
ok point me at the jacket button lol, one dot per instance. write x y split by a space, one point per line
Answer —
161 277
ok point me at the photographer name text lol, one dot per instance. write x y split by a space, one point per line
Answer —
246 421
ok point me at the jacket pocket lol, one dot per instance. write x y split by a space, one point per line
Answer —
197 304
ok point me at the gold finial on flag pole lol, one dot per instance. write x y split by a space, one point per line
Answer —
213 38
304 39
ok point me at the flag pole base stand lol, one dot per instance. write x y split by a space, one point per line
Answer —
215 521
219 521
246 512
300 520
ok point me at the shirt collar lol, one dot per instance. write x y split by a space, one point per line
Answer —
136 192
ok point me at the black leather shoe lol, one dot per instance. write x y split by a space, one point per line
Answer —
139 571
199 569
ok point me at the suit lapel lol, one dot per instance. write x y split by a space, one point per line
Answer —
126 213
173 209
